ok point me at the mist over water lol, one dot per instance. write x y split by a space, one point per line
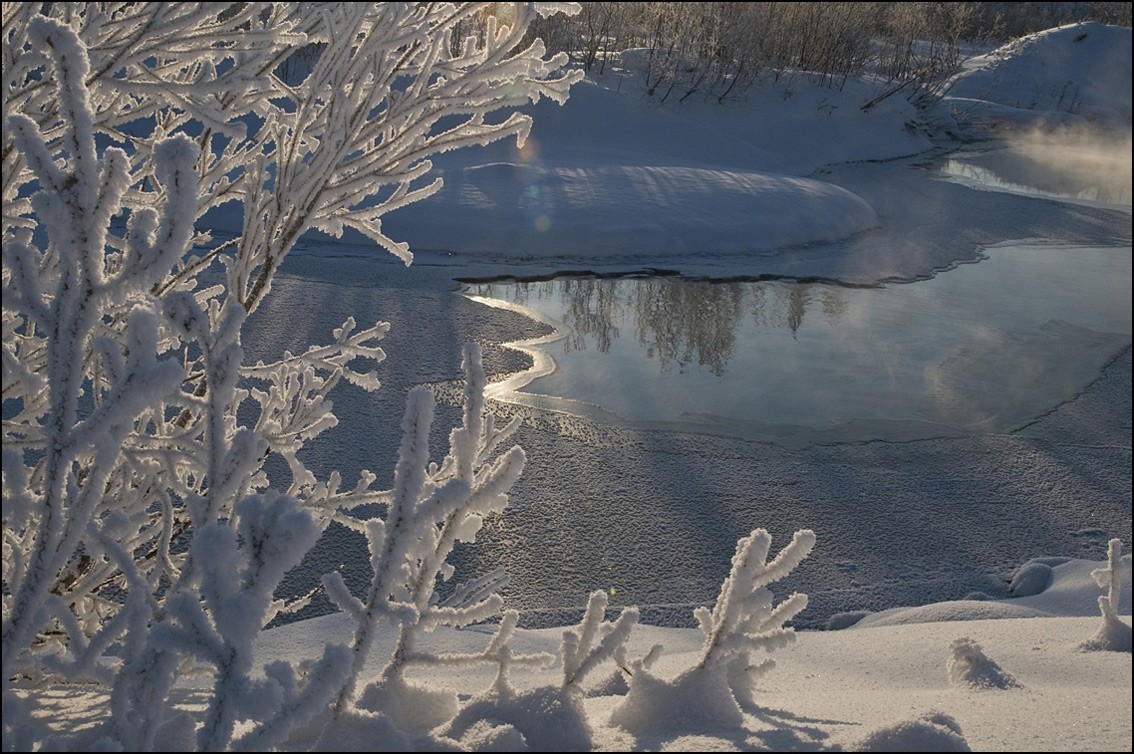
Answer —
1079 164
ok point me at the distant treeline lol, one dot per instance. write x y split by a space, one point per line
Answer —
718 50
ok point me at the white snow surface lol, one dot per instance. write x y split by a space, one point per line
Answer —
1068 76
846 688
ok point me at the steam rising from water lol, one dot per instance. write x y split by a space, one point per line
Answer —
1080 164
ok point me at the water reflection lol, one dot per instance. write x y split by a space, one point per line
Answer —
986 347
678 323
683 324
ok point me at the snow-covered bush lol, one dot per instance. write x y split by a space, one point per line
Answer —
552 718
142 533
743 621
1113 635
431 509
970 667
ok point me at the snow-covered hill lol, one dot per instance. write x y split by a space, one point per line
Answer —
1072 76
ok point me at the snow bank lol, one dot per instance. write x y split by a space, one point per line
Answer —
1072 591
880 689
1069 75
528 210
612 174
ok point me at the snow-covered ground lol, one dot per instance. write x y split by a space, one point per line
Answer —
879 687
1071 76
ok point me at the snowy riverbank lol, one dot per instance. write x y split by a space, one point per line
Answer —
949 582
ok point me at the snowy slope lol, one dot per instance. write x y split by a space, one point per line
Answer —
1069 76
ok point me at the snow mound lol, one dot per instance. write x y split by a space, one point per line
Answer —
1059 76
1030 579
363 731
692 702
613 685
548 718
1072 591
931 732
410 707
486 736
534 210
839 621
949 611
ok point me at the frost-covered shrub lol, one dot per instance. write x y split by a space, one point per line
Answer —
142 532
743 621
970 667
431 508
551 718
1113 635
1035 576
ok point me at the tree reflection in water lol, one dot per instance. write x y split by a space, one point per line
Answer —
678 322
593 310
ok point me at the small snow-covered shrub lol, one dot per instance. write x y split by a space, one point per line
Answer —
552 718
970 667
1113 635
743 621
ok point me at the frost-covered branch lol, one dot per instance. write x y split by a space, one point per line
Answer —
743 621
296 407
373 136
432 507
1113 635
497 651
1111 577
581 654
63 293
127 443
